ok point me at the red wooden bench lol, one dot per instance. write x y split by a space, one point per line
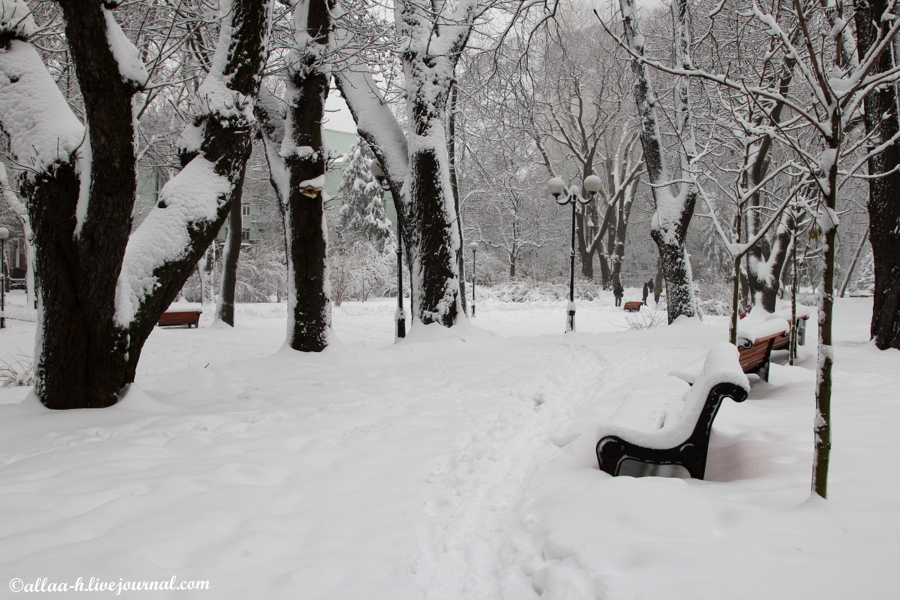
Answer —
633 306
755 345
783 342
180 317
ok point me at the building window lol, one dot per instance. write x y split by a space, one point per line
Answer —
245 235
245 210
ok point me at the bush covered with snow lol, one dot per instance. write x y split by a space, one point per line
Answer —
714 297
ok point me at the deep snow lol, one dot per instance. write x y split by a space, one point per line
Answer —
455 465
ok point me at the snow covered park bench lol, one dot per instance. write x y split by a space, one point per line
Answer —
783 342
633 306
180 317
756 342
666 421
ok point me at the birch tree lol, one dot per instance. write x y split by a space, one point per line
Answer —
102 286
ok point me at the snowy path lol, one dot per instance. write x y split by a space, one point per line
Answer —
456 465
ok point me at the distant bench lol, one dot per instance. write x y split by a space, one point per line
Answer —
633 306
666 421
181 317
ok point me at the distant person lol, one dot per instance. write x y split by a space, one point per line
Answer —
657 292
646 293
618 292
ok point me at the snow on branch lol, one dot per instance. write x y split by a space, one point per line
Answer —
197 198
42 129
194 195
131 67
16 20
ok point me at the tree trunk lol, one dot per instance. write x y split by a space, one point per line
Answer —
673 212
434 241
822 427
852 266
585 254
676 268
206 267
230 256
764 274
303 169
884 208
80 242
454 185
103 287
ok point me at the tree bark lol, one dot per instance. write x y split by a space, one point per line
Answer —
884 191
96 308
230 256
764 274
79 256
420 178
454 185
852 266
206 267
673 212
298 176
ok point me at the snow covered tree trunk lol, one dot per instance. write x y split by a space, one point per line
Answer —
622 216
673 214
884 191
417 164
764 274
853 262
230 256
195 203
822 427
434 241
582 233
454 184
80 208
297 166
103 287
206 266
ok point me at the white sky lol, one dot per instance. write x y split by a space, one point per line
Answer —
337 115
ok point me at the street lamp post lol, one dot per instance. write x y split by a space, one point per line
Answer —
563 196
4 233
474 248
399 315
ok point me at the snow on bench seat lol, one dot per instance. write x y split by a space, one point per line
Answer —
667 421
750 333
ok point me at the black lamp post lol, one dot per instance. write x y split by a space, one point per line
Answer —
563 196
4 233
474 248
399 315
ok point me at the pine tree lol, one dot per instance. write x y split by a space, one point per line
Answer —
363 210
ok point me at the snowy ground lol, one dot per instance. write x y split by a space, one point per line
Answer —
456 465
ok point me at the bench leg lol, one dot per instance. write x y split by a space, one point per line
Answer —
763 371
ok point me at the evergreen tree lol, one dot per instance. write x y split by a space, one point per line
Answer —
363 210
